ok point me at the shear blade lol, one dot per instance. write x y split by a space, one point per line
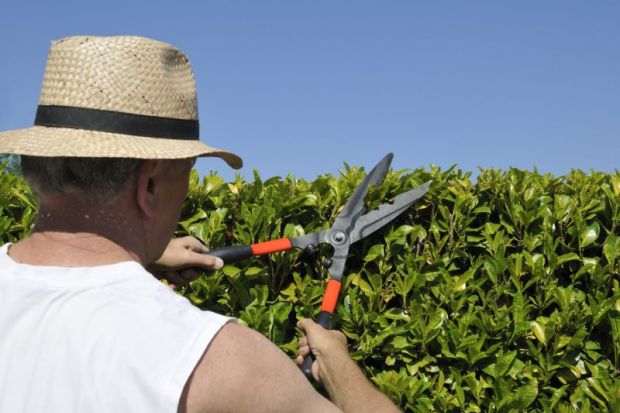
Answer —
372 221
355 204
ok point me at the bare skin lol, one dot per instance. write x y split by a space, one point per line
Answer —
136 225
334 368
179 263
241 371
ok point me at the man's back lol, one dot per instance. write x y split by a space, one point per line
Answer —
105 338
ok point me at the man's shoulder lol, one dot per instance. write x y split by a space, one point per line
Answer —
243 371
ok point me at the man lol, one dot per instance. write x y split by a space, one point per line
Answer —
85 327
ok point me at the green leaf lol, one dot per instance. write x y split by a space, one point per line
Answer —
260 294
363 285
571 256
415 367
615 184
404 283
611 247
253 272
212 183
200 214
482 209
293 231
400 233
589 234
280 312
400 343
539 332
461 282
602 309
524 396
396 314
231 270
504 363
436 320
375 252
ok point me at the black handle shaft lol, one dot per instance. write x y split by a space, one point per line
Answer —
232 254
324 319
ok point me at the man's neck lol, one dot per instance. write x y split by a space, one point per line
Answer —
82 235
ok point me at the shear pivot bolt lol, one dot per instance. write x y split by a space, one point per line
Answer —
339 237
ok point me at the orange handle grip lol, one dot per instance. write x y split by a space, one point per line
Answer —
268 247
330 299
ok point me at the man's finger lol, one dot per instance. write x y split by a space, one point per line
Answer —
309 327
212 262
194 244
197 259
305 323
304 351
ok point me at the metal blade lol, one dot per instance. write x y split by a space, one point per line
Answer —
372 221
355 204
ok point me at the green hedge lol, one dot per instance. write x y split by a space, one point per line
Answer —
496 295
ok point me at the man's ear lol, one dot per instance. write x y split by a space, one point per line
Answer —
146 187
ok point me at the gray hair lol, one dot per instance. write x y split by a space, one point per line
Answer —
98 178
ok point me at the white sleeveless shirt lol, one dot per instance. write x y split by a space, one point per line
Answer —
99 339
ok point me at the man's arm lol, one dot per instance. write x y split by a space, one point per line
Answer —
242 371
347 386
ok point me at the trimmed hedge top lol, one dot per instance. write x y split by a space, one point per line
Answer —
497 295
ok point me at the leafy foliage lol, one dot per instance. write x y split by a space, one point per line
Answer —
10 164
499 295
17 204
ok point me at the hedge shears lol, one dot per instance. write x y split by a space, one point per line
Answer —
349 227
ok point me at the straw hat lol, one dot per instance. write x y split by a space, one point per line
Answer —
121 96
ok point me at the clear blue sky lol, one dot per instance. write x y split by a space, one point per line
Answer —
302 86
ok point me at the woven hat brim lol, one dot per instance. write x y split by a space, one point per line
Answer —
45 141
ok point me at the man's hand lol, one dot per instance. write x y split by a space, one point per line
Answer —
345 383
181 261
324 344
